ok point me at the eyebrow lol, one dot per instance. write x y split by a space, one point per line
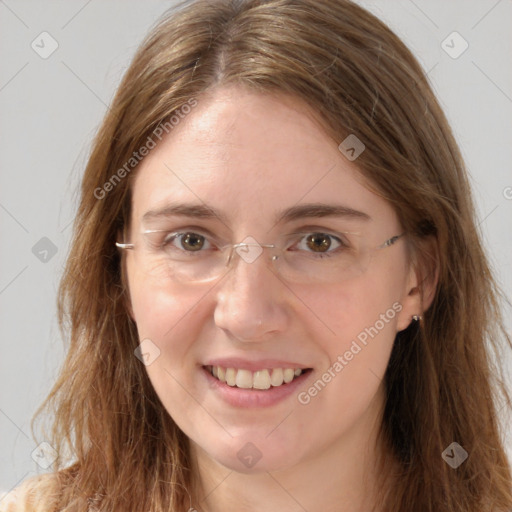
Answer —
201 211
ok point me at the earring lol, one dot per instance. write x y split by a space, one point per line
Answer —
417 318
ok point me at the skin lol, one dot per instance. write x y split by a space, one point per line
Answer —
253 155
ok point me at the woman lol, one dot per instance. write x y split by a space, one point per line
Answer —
277 297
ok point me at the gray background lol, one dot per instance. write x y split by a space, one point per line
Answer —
52 107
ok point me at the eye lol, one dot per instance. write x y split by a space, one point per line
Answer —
187 241
321 243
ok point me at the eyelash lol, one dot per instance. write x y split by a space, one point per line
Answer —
170 237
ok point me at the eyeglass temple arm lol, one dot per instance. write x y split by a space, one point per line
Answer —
124 246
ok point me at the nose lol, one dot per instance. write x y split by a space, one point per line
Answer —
250 301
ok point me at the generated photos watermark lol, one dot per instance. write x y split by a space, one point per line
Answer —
361 341
137 156
454 455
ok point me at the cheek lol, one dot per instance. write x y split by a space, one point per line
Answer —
361 317
347 311
168 318
163 313
359 325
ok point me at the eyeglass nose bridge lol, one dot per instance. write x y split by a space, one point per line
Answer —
249 244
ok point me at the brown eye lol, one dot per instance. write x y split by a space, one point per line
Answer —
185 241
319 245
192 241
318 242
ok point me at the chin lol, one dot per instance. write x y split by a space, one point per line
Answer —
249 455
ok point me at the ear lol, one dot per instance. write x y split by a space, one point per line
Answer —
421 282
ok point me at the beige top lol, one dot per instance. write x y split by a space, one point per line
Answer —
26 497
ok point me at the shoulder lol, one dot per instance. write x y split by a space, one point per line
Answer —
31 495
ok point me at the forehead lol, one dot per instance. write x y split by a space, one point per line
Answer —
251 156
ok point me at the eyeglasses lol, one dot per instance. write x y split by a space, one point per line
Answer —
301 257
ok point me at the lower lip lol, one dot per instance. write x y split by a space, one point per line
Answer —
239 397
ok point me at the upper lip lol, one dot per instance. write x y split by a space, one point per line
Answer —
260 364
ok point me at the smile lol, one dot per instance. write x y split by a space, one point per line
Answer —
260 379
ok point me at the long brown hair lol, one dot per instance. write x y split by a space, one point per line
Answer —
118 447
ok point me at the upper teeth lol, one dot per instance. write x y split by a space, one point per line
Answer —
260 379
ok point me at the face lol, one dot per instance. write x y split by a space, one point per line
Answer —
251 157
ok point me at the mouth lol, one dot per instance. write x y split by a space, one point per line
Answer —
260 380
